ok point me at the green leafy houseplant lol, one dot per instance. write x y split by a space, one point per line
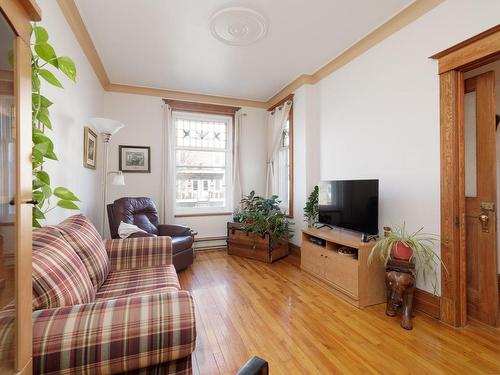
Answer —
263 216
420 244
311 210
43 60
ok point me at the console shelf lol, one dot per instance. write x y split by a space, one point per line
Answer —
348 276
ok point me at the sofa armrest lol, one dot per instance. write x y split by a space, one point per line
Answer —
173 230
130 253
114 336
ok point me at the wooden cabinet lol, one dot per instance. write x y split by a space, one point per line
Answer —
350 277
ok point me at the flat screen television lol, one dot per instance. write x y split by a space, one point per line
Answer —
349 204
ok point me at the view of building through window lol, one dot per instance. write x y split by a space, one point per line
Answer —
202 162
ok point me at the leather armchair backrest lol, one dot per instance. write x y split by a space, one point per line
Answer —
138 211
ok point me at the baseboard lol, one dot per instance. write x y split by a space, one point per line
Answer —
427 303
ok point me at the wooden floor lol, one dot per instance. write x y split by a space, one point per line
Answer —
246 308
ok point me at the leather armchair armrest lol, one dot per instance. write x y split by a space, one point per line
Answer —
173 230
141 234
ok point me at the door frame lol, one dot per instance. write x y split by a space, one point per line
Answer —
19 13
453 62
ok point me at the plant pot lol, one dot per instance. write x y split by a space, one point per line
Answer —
401 252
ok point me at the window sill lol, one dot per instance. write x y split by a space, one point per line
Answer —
200 214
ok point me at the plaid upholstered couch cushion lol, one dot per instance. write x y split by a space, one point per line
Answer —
84 238
140 322
59 275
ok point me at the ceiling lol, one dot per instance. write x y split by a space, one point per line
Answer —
167 44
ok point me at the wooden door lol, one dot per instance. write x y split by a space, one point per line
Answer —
15 187
480 197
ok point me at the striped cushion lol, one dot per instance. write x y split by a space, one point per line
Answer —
138 281
86 241
59 275
139 252
115 336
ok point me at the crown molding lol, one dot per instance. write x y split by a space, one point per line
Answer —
184 96
414 11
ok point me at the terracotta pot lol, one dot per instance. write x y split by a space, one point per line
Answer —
401 252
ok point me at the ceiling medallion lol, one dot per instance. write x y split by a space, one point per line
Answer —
238 26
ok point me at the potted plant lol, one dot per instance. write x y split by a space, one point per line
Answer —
311 210
262 231
400 244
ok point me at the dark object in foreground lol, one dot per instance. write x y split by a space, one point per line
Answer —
400 282
255 366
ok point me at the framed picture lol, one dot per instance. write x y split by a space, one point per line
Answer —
89 148
135 159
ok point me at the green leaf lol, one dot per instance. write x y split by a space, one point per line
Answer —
51 155
36 184
41 138
43 177
37 213
47 191
41 35
44 119
35 223
38 195
50 78
67 204
67 66
40 100
46 53
10 57
42 148
35 82
65 194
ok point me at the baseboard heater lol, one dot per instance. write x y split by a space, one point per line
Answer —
209 243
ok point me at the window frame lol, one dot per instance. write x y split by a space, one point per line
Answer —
208 211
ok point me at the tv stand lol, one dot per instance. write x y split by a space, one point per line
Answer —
348 276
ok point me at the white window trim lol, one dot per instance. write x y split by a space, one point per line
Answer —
229 162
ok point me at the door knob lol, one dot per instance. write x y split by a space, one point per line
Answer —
484 219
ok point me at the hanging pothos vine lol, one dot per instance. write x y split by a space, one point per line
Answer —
43 58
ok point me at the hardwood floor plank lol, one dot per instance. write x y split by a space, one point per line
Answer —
277 312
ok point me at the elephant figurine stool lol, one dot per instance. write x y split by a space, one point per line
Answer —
400 290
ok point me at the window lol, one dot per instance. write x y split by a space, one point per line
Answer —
203 153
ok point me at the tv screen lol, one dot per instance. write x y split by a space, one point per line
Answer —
350 204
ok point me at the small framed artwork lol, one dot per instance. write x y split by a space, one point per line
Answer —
89 148
135 159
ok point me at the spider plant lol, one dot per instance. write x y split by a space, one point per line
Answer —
422 247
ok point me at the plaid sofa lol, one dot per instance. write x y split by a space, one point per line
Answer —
108 307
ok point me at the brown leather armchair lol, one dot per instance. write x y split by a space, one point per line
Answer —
143 213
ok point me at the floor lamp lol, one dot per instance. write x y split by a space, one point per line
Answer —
107 127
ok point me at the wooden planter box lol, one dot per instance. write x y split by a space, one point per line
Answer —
249 245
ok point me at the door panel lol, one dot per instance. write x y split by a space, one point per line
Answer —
7 209
480 182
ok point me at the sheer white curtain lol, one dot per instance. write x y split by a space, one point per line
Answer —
238 121
168 167
276 124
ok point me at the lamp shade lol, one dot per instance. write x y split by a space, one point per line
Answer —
106 125
119 179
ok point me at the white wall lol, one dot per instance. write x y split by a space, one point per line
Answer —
306 154
72 107
143 119
379 115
